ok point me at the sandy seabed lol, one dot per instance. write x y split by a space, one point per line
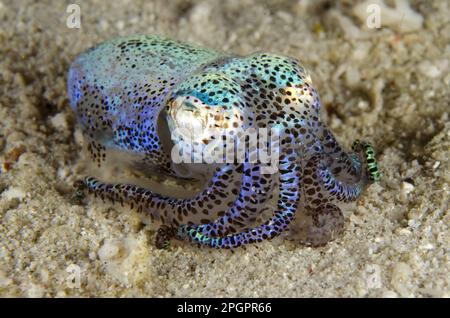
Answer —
387 85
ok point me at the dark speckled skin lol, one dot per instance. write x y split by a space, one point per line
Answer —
127 93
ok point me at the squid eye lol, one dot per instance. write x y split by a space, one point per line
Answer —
188 115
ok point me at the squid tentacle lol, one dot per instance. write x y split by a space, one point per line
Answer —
326 182
288 201
213 200
246 207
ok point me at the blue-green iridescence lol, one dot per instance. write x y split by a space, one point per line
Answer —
128 92
369 155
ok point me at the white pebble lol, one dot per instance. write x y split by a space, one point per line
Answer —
14 193
407 187
429 70
427 246
59 121
120 25
108 251
352 76
401 278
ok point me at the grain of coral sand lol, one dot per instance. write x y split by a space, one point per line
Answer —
388 85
